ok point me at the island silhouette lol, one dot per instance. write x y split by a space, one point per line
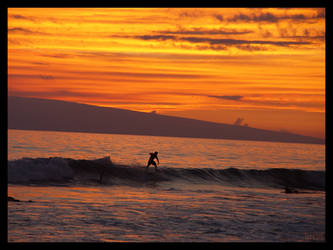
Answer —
44 114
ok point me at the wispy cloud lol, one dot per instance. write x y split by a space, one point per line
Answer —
19 30
95 97
273 18
202 31
32 76
227 97
209 58
22 17
214 41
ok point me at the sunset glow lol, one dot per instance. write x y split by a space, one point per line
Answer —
266 66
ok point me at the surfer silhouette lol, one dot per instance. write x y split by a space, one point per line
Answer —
151 161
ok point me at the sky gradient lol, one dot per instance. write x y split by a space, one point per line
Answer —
264 68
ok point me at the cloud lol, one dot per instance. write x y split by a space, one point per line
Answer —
217 41
212 47
201 31
272 18
239 41
142 74
282 103
248 18
94 97
156 37
190 14
19 30
219 17
239 121
251 48
12 41
114 76
58 55
320 13
44 77
290 101
231 97
22 17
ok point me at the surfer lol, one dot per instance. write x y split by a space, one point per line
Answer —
151 160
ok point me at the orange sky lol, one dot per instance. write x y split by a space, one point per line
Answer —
266 66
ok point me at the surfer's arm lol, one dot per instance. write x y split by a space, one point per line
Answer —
157 160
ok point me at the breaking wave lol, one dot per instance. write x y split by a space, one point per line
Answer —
67 171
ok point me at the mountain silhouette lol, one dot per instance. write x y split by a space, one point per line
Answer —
44 114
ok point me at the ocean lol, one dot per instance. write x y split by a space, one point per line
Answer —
85 187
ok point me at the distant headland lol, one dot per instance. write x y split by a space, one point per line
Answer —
44 114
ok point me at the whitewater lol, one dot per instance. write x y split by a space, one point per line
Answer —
81 187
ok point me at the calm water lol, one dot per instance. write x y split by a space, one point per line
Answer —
173 152
205 190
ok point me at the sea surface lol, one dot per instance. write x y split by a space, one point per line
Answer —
85 187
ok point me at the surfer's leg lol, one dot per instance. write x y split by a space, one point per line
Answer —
154 163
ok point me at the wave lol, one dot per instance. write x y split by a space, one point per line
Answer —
67 171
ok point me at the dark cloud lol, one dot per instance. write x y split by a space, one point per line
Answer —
307 38
265 17
40 63
14 41
212 47
93 74
215 41
239 121
105 98
219 17
156 37
24 31
306 34
190 14
57 55
231 42
320 14
227 97
271 18
18 30
22 17
148 75
284 103
272 102
251 47
45 77
200 31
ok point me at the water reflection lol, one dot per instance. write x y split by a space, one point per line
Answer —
173 152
